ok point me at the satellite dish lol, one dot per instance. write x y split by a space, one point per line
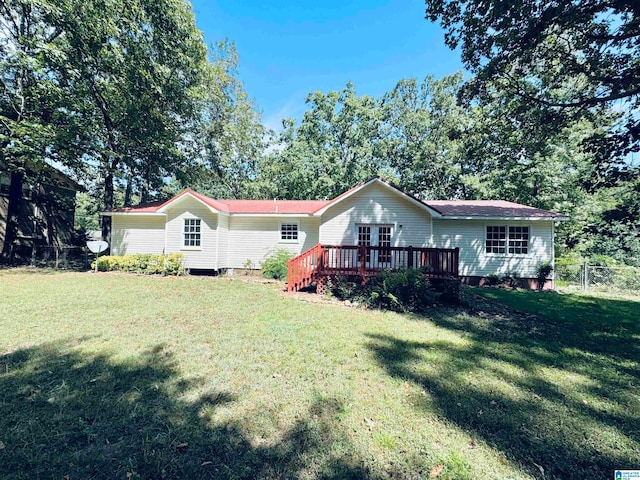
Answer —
97 246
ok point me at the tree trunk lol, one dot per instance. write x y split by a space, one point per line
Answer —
108 205
127 192
13 216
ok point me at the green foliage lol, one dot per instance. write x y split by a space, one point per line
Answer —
509 280
249 264
492 280
148 264
543 270
333 148
275 265
568 58
122 93
455 468
448 289
404 290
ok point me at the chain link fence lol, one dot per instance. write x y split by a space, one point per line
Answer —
62 258
595 277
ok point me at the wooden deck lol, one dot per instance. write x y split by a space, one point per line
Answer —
363 261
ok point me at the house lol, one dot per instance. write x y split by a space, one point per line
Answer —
491 237
45 208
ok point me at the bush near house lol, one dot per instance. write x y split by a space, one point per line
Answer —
275 266
147 264
404 290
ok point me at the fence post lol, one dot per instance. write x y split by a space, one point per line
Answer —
56 250
584 276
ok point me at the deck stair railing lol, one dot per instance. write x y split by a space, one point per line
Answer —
363 261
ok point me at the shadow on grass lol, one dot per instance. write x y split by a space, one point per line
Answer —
561 390
65 414
599 325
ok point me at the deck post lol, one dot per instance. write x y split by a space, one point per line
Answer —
456 262
362 253
410 257
320 266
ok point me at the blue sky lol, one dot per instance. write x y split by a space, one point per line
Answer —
288 49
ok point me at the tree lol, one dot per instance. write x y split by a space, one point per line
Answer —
419 137
334 147
569 56
131 68
29 98
229 138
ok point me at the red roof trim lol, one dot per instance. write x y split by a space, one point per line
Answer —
446 208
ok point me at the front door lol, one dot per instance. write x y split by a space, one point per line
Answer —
375 236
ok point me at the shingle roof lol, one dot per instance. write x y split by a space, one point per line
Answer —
446 208
487 208
236 206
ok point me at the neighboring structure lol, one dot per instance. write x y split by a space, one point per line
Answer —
45 211
493 237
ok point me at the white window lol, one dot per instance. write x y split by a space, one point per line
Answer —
519 240
288 232
496 239
503 239
191 234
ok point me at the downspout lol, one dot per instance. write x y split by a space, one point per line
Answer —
553 255
217 240
431 244
165 238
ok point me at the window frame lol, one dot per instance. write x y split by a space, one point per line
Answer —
508 239
184 245
289 240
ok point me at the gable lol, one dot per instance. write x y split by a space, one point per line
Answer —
377 182
375 204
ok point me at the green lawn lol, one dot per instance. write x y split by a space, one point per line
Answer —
116 376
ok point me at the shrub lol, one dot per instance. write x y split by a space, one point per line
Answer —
343 287
404 290
448 288
543 271
144 263
275 266
511 279
492 280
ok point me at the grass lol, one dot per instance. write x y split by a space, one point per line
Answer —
119 376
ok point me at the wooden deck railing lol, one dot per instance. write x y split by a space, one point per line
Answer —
302 270
363 261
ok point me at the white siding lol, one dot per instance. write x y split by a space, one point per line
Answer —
376 204
137 234
223 240
204 256
255 238
469 236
